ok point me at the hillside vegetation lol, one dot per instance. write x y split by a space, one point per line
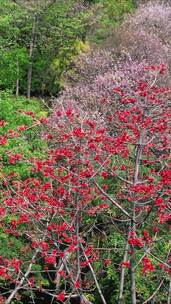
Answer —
85 152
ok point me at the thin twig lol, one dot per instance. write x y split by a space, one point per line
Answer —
94 276
154 293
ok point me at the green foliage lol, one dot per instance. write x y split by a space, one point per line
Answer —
60 31
11 247
29 143
63 42
111 13
12 50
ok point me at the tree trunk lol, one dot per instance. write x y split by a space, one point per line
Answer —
132 267
169 293
138 158
122 278
17 80
78 254
31 50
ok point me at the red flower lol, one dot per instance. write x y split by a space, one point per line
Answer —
2 272
147 237
61 254
44 246
14 158
30 113
46 186
50 259
104 174
136 241
21 128
61 296
43 120
77 284
147 265
118 91
16 264
3 140
123 167
78 133
31 281
2 123
125 264
107 261
159 202
2 211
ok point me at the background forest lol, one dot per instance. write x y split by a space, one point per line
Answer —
39 39
85 151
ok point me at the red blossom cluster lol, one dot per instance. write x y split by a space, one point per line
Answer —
147 265
13 158
135 241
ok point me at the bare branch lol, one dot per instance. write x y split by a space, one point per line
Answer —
94 276
154 293
113 201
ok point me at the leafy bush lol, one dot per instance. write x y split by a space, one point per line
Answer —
19 114
110 13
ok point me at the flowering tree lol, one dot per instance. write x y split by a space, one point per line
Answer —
97 95
146 33
154 17
139 44
118 170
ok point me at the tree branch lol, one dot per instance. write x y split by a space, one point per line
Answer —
113 201
94 276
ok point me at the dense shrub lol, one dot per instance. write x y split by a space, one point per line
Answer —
16 115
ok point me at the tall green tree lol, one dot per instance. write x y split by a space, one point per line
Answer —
40 38
37 42
35 9
13 54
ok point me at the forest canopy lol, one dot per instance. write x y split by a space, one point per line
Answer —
39 39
